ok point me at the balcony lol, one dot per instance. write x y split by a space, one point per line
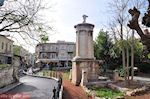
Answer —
8 52
48 50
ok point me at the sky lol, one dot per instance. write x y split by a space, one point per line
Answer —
68 13
65 14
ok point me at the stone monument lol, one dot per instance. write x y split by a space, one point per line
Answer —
84 62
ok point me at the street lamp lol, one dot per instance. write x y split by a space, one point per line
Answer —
2 2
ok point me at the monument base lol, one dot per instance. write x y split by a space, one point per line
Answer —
90 65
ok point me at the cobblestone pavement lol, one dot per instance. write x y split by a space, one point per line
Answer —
37 88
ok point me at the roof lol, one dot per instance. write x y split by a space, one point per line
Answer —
6 37
57 43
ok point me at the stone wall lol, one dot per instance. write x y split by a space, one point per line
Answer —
92 67
9 74
6 76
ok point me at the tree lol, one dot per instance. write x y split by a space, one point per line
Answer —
120 12
103 47
119 7
23 18
132 55
134 24
44 38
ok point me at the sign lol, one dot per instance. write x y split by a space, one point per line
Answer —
1 2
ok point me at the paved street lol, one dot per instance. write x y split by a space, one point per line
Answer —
38 88
145 80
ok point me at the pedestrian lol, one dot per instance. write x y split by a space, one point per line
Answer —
54 93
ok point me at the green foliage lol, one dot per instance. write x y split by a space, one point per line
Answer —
139 51
111 52
16 52
149 56
3 65
88 94
44 37
121 70
103 47
67 74
107 93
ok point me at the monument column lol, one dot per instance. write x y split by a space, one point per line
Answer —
84 58
84 40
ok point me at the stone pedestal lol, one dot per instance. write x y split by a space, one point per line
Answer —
70 76
91 67
84 79
116 75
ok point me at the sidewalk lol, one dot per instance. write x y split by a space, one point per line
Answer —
73 92
9 87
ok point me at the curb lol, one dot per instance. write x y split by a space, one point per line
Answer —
60 93
9 87
42 77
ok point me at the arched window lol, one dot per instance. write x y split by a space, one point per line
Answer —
2 45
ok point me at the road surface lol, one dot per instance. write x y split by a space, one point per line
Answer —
37 88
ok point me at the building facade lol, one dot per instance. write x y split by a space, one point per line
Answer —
6 50
27 57
55 54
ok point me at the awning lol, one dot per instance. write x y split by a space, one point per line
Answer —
47 61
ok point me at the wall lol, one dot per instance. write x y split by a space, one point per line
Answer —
9 74
92 67
7 42
6 76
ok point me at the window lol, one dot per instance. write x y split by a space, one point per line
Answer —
43 56
6 46
43 48
10 47
2 45
62 47
52 55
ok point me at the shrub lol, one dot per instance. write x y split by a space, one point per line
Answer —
107 93
3 66
144 67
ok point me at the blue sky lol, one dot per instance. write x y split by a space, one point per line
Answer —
72 10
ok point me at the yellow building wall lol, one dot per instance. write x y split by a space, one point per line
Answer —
5 42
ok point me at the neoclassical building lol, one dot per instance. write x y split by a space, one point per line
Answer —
55 54
6 50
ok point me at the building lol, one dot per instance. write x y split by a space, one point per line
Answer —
6 50
27 58
19 50
31 59
55 54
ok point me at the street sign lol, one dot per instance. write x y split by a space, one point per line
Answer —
1 2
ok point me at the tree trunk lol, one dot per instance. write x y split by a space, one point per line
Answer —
127 58
123 54
132 55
